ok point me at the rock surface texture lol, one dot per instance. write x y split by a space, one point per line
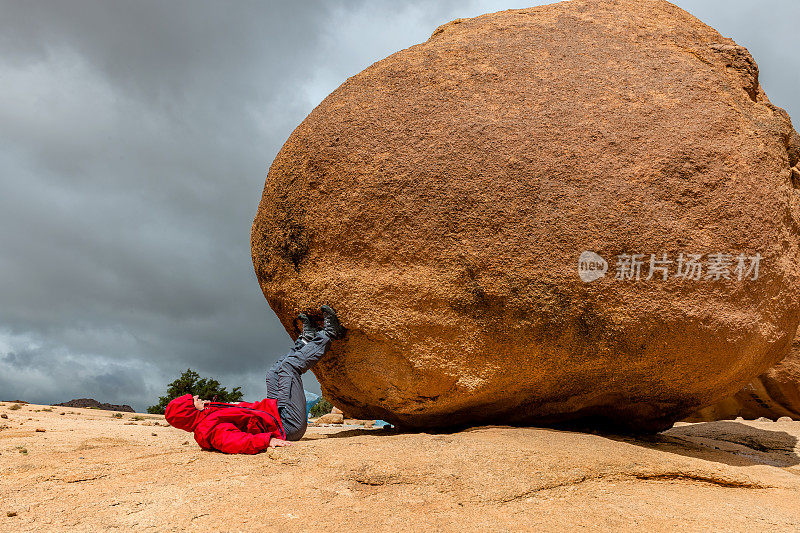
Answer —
773 394
92 472
440 199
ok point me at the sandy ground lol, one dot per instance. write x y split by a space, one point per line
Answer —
90 471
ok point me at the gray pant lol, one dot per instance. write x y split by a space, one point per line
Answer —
285 385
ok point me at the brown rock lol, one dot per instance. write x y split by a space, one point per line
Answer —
94 404
775 394
4 416
331 418
336 411
440 199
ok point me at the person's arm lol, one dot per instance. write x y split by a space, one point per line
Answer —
228 438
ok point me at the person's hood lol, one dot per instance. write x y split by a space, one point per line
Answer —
182 414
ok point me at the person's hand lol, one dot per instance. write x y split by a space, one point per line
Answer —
277 443
198 403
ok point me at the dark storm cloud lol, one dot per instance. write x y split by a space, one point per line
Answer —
134 140
135 137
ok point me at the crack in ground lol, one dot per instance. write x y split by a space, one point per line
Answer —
80 480
644 476
700 478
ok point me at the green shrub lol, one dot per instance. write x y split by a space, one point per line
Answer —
322 407
116 415
15 407
190 382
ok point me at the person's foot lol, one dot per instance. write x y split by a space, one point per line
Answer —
309 331
330 323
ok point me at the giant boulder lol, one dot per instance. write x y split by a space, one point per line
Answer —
441 198
774 394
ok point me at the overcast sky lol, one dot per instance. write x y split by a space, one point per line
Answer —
134 141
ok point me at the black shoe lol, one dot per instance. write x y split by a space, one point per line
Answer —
309 331
330 323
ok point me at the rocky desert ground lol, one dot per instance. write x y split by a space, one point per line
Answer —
89 470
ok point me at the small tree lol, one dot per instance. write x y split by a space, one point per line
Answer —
322 407
190 382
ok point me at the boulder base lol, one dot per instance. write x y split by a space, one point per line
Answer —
441 198
775 395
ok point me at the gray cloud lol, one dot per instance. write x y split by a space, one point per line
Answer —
134 140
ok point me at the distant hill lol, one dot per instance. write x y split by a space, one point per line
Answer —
88 402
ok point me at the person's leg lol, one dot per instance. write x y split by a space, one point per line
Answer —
285 384
272 374
304 357
292 407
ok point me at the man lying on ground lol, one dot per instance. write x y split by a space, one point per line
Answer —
272 422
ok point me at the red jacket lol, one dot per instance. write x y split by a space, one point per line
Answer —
228 427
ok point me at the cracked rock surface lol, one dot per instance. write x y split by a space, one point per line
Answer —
440 199
92 472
